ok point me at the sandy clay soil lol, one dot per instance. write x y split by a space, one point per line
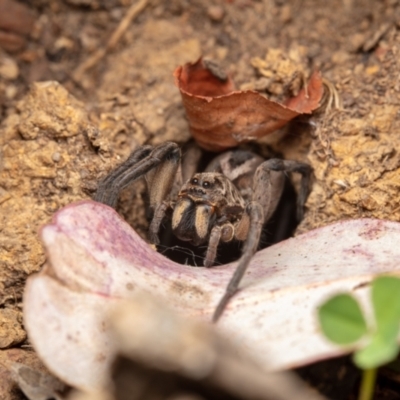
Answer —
75 100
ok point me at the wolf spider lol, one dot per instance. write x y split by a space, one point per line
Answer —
231 200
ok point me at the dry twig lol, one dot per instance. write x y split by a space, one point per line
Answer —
133 11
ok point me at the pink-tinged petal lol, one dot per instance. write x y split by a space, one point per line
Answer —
95 260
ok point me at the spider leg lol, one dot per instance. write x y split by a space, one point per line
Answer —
305 170
138 164
188 166
166 158
107 192
159 214
190 161
215 237
256 214
224 233
266 184
267 189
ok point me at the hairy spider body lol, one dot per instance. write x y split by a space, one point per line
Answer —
231 200
203 202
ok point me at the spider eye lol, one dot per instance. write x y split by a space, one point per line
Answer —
206 184
195 181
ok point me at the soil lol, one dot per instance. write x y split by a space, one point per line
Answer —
63 126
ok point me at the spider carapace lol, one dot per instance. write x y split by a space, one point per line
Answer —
231 200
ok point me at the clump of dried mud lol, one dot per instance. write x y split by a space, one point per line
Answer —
354 151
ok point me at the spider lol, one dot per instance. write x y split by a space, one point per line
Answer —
231 200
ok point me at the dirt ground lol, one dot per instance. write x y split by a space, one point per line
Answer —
64 125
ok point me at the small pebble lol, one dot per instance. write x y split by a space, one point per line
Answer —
117 13
216 13
286 13
8 68
11 91
56 157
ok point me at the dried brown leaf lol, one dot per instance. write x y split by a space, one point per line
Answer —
221 117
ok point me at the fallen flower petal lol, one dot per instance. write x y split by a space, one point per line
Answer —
95 260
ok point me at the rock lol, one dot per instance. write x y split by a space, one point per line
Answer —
8 68
11 332
49 107
216 13
8 387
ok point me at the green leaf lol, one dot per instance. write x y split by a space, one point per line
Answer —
383 347
379 352
386 302
341 319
